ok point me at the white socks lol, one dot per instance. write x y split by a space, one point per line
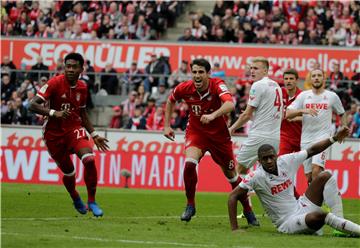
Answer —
342 225
332 197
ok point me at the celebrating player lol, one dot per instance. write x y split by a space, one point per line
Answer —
65 129
273 183
316 106
209 101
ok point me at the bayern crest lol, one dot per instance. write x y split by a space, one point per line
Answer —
78 97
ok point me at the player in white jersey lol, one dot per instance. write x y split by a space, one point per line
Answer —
316 106
264 108
273 183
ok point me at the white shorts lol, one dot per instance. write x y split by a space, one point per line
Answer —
295 223
248 154
318 159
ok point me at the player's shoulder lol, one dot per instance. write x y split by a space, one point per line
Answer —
56 79
185 86
330 93
216 81
81 84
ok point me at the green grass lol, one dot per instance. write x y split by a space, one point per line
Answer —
43 216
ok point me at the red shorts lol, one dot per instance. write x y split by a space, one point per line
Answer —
67 144
288 146
221 150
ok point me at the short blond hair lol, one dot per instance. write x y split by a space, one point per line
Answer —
261 60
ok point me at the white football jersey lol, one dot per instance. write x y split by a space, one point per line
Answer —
266 96
317 127
276 193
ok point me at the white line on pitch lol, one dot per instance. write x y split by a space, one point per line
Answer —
143 242
122 217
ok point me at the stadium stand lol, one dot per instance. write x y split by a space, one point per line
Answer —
115 97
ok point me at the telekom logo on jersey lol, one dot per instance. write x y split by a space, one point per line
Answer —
280 187
316 106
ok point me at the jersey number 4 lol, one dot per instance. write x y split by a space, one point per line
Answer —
277 102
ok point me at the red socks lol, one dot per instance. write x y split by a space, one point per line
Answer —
190 181
90 175
69 183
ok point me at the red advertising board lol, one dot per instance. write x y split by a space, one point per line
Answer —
232 58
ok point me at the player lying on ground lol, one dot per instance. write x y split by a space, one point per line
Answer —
273 183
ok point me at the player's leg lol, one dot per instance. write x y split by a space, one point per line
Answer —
223 155
59 153
83 148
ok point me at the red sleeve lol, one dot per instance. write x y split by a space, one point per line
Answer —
223 92
175 96
226 97
47 89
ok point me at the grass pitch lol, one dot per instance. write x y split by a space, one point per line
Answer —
43 216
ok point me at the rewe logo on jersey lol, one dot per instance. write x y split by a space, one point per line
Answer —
316 106
280 187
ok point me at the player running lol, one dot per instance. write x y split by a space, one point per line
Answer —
65 129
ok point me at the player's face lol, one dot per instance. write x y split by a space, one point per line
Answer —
317 79
290 81
200 77
258 71
268 160
72 70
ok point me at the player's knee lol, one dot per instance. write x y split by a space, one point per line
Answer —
88 159
190 164
324 176
69 174
315 220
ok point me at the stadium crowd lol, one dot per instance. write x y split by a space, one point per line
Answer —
333 23
148 89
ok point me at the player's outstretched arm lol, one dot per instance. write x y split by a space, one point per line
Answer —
36 106
225 108
100 142
322 145
234 196
168 131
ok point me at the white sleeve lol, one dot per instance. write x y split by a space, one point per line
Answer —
255 95
337 105
292 161
298 102
249 182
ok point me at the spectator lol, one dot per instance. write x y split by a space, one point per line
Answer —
180 75
143 95
129 104
155 71
216 71
204 19
155 121
199 31
7 88
176 122
161 95
356 125
78 33
150 108
336 79
38 68
108 80
126 35
117 120
137 121
142 29
132 78
337 34
187 36
7 67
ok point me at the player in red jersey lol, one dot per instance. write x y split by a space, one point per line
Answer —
65 129
209 100
290 130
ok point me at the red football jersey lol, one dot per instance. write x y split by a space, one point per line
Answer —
60 96
206 103
290 130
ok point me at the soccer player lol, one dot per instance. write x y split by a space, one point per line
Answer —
272 182
290 130
65 129
316 106
264 108
209 100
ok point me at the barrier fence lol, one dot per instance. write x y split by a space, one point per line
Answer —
153 161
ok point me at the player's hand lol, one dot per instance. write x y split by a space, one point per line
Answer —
100 143
169 133
206 119
64 114
311 111
341 134
231 130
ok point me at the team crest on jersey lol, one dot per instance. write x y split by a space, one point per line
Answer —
44 88
78 97
223 87
209 98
